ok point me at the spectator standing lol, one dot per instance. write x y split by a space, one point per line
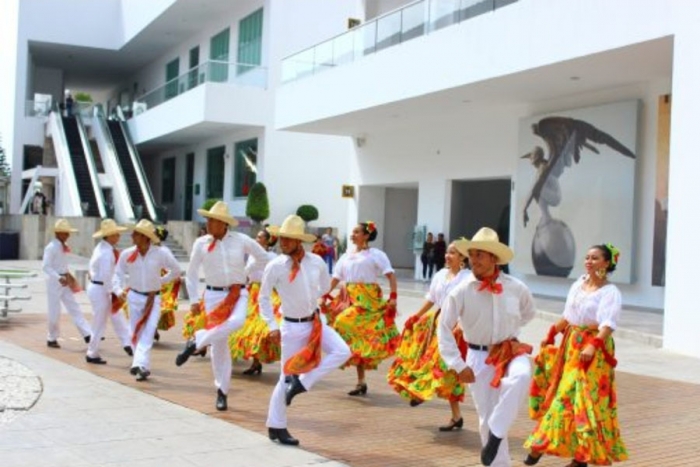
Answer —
439 251
427 257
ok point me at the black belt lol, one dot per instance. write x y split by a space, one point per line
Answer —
155 292
98 282
223 289
483 348
305 319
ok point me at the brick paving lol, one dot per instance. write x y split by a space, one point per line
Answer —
659 418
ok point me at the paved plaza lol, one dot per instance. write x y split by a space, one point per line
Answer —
56 410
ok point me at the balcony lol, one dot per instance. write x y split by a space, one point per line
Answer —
414 20
212 98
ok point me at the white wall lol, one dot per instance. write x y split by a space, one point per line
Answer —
48 81
137 15
483 144
681 319
513 39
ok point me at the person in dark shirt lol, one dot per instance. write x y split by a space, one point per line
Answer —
440 249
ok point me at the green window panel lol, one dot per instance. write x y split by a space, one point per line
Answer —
172 71
167 193
250 41
215 172
218 52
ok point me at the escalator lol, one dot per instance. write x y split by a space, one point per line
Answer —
84 179
134 177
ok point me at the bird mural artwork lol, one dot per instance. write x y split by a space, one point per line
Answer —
553 246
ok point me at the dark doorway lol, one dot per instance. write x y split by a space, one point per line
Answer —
189 186
480 203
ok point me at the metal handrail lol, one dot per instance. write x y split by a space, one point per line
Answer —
92 170
5 298
67 166
99 117
145 187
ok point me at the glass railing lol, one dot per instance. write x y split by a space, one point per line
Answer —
413 20
37 108
209 72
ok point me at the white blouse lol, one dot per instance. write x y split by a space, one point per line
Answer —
442 285
600 307
362 266
254 268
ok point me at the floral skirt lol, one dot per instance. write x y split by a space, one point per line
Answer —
194 322
367 326
419 372
168 304
580 420
251 340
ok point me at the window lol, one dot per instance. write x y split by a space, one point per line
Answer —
172 70
250 41
218 52
192 76
215 172
245 169
167 194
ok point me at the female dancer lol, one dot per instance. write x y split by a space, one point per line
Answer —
168 292
578 415
419 373
367 325
251 341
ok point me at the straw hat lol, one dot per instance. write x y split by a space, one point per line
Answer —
219 211
461 245
487 240
292 227
146 228
63 226
108 227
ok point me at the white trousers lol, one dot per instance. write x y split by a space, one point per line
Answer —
144 343
217 336
101 300
58 294
294 337
498 407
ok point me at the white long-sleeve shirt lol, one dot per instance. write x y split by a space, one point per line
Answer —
486 318
103 263
144 272
55 260
225 264
299 297
442 285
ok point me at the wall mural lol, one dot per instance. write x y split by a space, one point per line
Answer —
575 188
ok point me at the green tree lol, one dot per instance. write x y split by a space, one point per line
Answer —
257 206
307 212
209 203
83 97
4 165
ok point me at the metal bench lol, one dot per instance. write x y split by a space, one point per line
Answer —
6 287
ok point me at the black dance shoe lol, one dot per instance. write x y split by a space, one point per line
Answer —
221 400
182 357
488 452
283 436
453 425
293 388
360 390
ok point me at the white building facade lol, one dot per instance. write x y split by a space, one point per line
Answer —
196 83
434 92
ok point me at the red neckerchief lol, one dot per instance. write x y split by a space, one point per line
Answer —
66 248
132 257
212 245
296 265
489 284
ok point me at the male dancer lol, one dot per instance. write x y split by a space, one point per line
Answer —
222 255
300 278
491 307
143 263
60 284
102 263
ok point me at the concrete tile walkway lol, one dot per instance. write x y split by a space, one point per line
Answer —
98 415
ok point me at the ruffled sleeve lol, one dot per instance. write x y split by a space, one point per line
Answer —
339 269
381 260
609 307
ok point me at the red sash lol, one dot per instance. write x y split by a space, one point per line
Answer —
144 318
309 357
223 310
502 354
